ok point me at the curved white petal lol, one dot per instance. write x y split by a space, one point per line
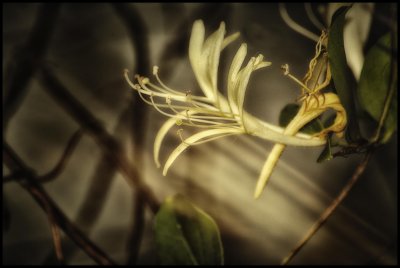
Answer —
160 137
243 77
233 77
197 59
213 59
268 167
229 39
196 137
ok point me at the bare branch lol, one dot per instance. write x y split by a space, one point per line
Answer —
13 161
71 145
93 127
53 225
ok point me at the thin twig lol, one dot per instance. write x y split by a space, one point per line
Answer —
14 162
329 210
55 232
71 145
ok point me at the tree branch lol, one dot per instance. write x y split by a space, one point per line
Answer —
13 161
94 128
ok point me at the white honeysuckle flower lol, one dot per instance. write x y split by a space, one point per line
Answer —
216 115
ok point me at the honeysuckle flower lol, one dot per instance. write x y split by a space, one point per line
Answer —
215 115
313 104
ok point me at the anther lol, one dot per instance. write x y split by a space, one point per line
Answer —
179 122
168 99
155 70
285 69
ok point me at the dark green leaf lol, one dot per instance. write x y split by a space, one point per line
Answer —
375 82
329 120
341 73
326 153
290 111
186 235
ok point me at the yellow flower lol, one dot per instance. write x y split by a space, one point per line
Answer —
215 115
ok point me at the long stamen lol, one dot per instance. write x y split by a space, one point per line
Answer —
168 90
285 68
219 115
208 126
180 116
210 122
126 71
144 99
159 110
168 101
155 73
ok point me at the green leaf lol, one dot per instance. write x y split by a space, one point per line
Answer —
329 121
326 153
375 82
186 235
290 111
341 74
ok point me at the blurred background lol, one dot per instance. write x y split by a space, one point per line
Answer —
85 49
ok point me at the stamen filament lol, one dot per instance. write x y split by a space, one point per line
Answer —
208 139
285 68
155 73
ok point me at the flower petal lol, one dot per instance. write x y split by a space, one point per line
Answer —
243 77
197 59
196 40
194 138
233 79
213 59
229 39
316 105
268 167
160 137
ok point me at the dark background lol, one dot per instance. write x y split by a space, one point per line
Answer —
87 47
